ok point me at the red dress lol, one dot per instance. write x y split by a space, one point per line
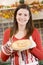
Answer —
0 54
36 52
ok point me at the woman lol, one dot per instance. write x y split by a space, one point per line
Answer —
22 29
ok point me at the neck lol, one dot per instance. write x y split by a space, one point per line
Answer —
21 27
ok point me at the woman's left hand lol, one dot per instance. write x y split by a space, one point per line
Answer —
33 43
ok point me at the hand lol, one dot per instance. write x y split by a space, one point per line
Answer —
33 43
6 48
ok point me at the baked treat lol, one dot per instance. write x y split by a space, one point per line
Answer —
21 45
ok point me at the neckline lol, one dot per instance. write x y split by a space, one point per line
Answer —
24 37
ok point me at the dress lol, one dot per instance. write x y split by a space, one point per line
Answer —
24 57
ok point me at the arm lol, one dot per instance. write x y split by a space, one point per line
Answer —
4 56
37 51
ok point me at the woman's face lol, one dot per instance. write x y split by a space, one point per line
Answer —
22 16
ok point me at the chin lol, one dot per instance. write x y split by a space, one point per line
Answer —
23 23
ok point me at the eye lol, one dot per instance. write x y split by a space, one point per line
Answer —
20 14
25 14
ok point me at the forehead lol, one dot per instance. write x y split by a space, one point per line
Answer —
23 11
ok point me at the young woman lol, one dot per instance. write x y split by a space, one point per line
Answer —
22 29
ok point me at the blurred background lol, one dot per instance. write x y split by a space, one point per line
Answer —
7 9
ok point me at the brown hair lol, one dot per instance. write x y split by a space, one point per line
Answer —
29 25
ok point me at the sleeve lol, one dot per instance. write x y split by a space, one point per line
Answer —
0 54
38 50
6 37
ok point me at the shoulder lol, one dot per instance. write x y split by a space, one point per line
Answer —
35 31
7 31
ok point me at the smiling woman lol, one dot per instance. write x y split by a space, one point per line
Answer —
22 29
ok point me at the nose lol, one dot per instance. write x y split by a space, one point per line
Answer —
22 17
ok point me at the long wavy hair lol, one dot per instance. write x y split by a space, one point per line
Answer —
29 26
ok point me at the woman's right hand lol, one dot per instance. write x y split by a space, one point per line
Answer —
6 48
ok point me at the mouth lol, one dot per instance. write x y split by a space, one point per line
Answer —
22 21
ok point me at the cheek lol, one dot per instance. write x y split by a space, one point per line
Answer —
27 18
17 18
